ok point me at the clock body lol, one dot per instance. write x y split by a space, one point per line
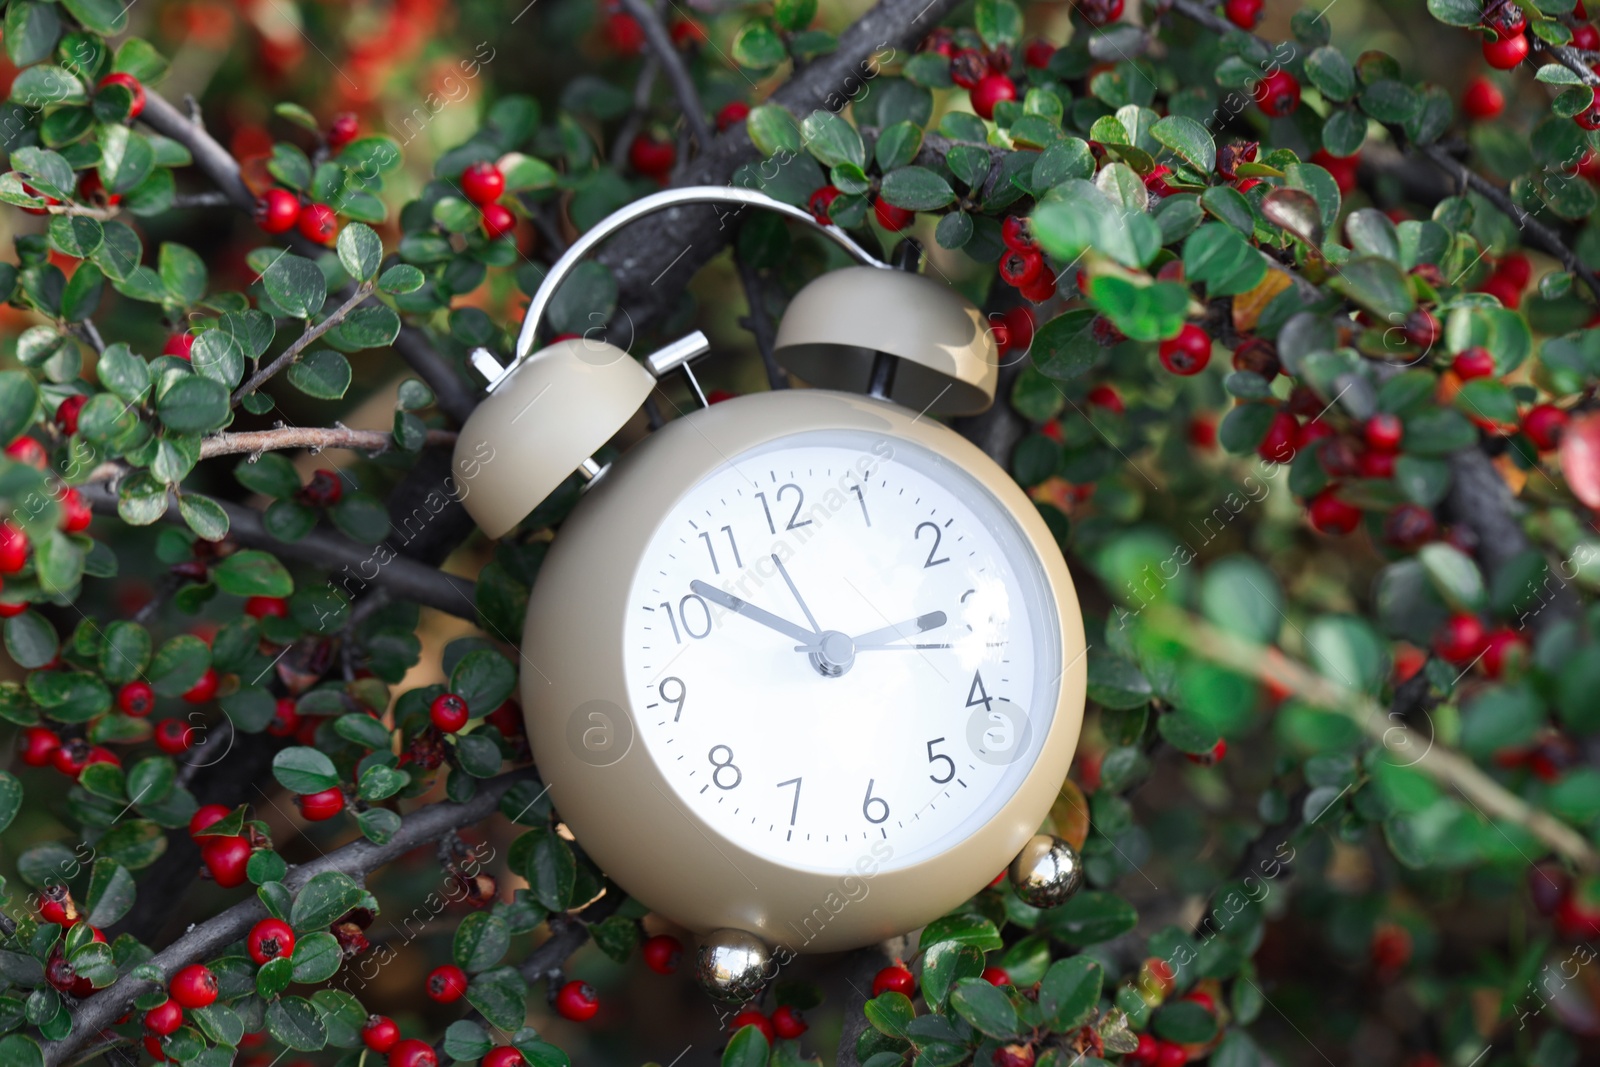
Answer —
803 664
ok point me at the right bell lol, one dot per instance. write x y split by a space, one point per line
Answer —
835 327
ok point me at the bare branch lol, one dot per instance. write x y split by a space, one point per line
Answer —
292 353
353 566
760 322
642 90
694 112
227 444
216 161
83 210
357 859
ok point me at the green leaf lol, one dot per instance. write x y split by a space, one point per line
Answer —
378 825
204 516
122 372
465 1041
18 1050
1065 347
105 17
1456 12
747 1048
10 799
46 85
31 31
832 140
1185 1022
998 22
1454 575
360 251
1070 992
758 45
550 868
19 403
481 941
304 770
501 995
916 189
1191 141
1187 732
943 964
296 285
317 957
964 929
252 572
1089 918
30 640
1329 70
1142 312
484 679
401 278
898 145
183 272
135 844
151 780
292 1021
324 374
773 129
985 1007
890 1013
324 898
193 404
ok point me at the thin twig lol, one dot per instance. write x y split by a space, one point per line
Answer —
315 437
660 41
292 353
84 210
642 88
357 859
1438 762
206 199
91 333
759 322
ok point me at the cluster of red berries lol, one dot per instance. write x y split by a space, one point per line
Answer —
483 183
1152 1052
1508 279
784 1022
624 36
1574 906
1507 44
192 988
43 747
279 211
1463 639
1550 756
894 219
1022 266
57 906
225 856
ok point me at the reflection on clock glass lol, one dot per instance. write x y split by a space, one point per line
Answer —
839 640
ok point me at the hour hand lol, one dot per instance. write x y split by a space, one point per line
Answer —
889 635
751 612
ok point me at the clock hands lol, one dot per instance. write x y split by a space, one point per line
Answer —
797 598
884 638
751 612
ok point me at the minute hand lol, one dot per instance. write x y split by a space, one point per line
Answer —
884 637
751 612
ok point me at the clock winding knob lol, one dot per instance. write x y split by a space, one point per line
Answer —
1046 872
732 965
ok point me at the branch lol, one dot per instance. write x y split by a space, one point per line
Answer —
1540 235
292 353
694 112
86 211
759 322
215 160
642 90
1571 59
347 560
455 399
357 859
1444 765
315 438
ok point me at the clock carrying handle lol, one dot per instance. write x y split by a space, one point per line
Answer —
649 205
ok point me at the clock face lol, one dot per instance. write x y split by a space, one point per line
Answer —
839 642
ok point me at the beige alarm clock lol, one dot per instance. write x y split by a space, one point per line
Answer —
803 669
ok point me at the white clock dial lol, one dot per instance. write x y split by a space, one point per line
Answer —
840 642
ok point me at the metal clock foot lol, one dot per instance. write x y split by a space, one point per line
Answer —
732 965
1046 872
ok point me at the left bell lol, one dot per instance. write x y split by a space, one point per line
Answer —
545 418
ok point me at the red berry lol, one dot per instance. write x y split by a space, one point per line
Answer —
1243 13
1022 268
56 906
995 976
324 805
1585 37
497 221
504 1055
1207 759
752 1017
990 90
482 182
732 115
1145 1054
136 699
179 345
893 979
414 1052
1422 329
13 548
1038 53
820 201
891 218
447 984
1343 169
164 1018
651 157
968 67
130 83
174 736
577 1001
1473 363
1156 181
71 757
67 413
1041 288
1505 652
207 815
380 1034
1589 118
318 223
204 689
1104 396
1171 1055
624 33
1279 443
324 489
1014 234
226 858
507 718
1015 330
686 32
448 712
1188 352
1544 424
1482 99
1383 432
342 130
75 512
788 1023
285 718
194 986
1330 515
1278 94
260 607
663 953
1505 53
38 745
152 1046
1099 12
1460 639
1410 526
1015 1055
277 210
270 939
1516 267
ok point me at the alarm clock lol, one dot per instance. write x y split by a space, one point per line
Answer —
803 669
